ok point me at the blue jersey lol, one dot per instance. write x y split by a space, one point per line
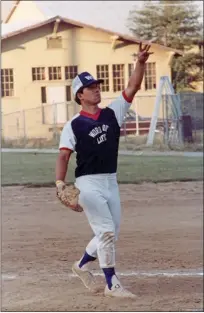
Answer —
95 138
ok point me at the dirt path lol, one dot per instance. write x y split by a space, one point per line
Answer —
161 231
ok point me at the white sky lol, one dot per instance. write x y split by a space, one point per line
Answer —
6 6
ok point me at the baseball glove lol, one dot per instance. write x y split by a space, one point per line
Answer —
68 196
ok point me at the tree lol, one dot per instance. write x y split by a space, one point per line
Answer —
174 24
186 71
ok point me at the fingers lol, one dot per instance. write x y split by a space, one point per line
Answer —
146 47
77 208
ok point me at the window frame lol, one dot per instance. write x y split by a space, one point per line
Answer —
53 73
118 82
70 72
102 72
8 81
150 78
41 73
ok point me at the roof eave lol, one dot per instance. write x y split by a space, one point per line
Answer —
121 36
82 25
35 26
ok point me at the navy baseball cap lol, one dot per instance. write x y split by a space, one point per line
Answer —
83 80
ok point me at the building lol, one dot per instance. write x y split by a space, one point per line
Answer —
40 57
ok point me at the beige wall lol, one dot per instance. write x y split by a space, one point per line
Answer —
83 47
89 40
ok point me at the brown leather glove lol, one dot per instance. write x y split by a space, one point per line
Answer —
68 196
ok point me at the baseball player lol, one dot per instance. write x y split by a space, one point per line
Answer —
94 135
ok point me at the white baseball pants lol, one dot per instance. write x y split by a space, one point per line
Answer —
100 199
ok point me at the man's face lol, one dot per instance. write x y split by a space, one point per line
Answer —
90 95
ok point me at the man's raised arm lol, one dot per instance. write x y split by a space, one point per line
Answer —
138 73
122 104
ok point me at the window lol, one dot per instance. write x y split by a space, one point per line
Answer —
68 93
7 82
43 95
130 69
55 73
118 77
71 72
102 72
38 73
54 42
150 76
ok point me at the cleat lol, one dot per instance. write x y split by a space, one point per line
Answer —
117 290
85 275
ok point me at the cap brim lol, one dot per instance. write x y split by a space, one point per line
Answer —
96 81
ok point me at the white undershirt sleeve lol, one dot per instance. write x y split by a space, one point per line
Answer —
120 106
67 139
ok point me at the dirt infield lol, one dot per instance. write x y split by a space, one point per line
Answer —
161 233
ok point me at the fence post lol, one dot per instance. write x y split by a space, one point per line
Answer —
166 135
180 123
195 115
54 120
17 128
137 118
24 127
43 113
164 119
125 130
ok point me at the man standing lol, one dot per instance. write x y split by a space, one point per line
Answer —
94 135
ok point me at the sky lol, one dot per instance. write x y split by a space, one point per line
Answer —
118 8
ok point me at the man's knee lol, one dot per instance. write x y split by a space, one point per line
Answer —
107 239
106 249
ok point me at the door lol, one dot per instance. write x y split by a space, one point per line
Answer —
56 96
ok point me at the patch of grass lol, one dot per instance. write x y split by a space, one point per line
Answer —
138 143
39 169
159 169
30 143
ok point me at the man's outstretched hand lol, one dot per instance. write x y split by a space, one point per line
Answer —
143 53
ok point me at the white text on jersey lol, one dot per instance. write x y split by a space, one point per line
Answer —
98 130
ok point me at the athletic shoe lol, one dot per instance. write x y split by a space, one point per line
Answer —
85 275
117 290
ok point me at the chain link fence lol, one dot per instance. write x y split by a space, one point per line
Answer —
36 127
192 105
179 123
41 126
